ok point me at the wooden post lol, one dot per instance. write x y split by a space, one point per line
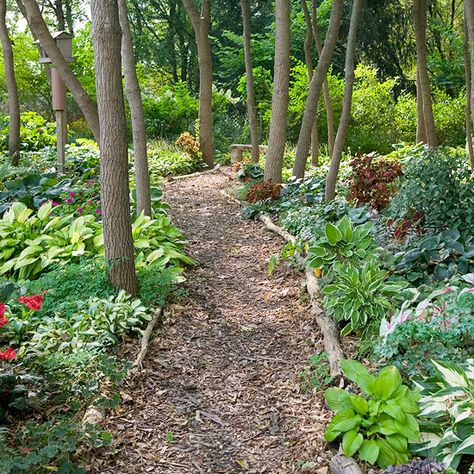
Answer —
59 106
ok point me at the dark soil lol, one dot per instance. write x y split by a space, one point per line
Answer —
221 390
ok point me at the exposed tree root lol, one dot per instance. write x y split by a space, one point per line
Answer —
341 464
137 365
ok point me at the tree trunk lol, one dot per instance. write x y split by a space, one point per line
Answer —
312 100
40 30
201 24
419 14
251 105
326 93
308 54
467 72
59 12
333 173
420 116
118 241
134 97
14 141
281 81
469 12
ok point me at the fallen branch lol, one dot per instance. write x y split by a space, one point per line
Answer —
146 339
193 175
327 325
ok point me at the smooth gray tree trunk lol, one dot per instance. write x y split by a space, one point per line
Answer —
333 173
251 104
134 97
469 13
304 140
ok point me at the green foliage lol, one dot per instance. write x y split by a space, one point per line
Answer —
250 171
169 110
446 409
440 327
361 296
99 323
436 258
379 423
31 242
47 445
341 243
439 184
35 132
166 159
317 376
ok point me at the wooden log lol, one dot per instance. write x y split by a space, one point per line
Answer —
327 325
341 464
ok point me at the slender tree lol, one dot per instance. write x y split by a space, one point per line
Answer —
251 104
326 93
308 54
333 173
469 15
281 81
40 30
201 22
423 80
134 97
14 140
467 73
315 87
118 241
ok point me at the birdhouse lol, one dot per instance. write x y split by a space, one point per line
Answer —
64 42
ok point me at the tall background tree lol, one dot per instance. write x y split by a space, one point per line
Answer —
278 123
134 97
331 179
14 141
114 183
425 104
200 21
251 105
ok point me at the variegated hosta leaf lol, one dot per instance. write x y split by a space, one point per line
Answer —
452 375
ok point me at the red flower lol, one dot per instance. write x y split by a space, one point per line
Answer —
3 322
33 302
9 354
3 309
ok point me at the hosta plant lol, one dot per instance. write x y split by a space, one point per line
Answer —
378 424
361 297
97 324
447 405
343 243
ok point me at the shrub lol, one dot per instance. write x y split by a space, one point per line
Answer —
373 180
379 423
263 192
437 183
440 327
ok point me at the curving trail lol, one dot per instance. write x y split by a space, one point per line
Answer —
221 392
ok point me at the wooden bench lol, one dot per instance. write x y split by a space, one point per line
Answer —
236 151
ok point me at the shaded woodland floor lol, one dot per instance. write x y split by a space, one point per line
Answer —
221 388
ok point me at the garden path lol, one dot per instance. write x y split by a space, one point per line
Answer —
221 391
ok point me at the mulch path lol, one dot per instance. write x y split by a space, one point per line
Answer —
221 390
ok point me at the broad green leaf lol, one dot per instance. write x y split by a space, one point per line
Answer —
369 451
360 404
357 373
387 382
351 442
345 420
337 399
333 234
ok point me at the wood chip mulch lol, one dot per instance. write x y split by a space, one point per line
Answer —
220 392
